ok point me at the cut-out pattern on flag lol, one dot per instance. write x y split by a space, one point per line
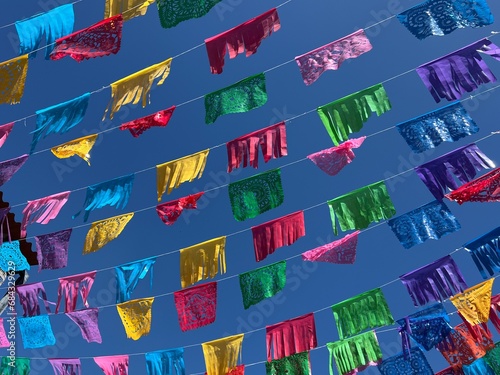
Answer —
128 275
88 322
416 364
441 17
435 281
12 78
482 189
4 341
10 167
348 114
461 164
262 283
474 304
29 294
127 8
349 359
245 149
52 25
11 256
20 366
361 207
201 261
136 317
341 251
330 56
243 96
464 70
136 87
295 364
113 365
52 249
114 193
80 147
447 124
169 212
166 362
43 210
7 128
245 37
431 221
277 233
492 358
173 12
98 40
291 337
36 331
364 311
59 118
478 367
66 366
255 195
222 355
138 126
196 306
334 159
70 286
451 371
172 174
485 252
103 231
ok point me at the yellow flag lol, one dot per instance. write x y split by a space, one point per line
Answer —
173 173
201 261
136 317
127 8
103 231
474 303
222 355
80 147
12 77
136 86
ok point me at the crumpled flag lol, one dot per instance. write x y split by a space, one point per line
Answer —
243 96
4 341
244 37
255 195
11 254
485 252
80 147
478 367
495 311
348 114
400 365
483 189
201 261
43 210
361 207
136 317
169 212
165 362
438 17
435 281
222 355
334 159
262 283
364 311
171 174
295 364
128 275
36 331
69 287
52 25
113 365
21 366
98 40
290 337
172 12
277 233
127 8
474 303
59 118
238 370
66 366
431 221
492 358
341 251
451 76
443 172
10 167
245 149
103 231
5 129
87 320
330 56
196 306
355 354
28 298
52 250
12 78
137 86
114 192
447 124
140 125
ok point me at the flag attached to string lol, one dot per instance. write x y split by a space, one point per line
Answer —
196 306
222 355
80 147
70 286
20 364
10 167
127 8
12 78
43 210
66 366
164 361
333 160
36 331
169 212
136 317
474 303
492 358
398 364
140 125
341 251
295 364
112 365
88 322
262 283
483 189
128 275
173 12
7 128
4 341
485 252
478 367
29 294
103 231
11 257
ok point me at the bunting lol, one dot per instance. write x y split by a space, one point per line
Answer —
399 365
334 159
103 231
36 331
10 167
169 212
98 40
196 306
69 287
4 341
12 78
243 96
87 321
7 128
11 257
113 365
66 366
255 195
164 362
128 275
341 251
136 317
43 210
173 12
127 8
295 364
474 303
262 283
28 298
80 147
52 250
22 366
482 189
485 252
140 125
478 367
347 115
245 37
222 355
495 311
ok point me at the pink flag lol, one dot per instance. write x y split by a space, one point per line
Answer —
69 287
4 132
140 125
43 210
483 189
333 160
342 251
4 342
196 306
113 365
169 212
